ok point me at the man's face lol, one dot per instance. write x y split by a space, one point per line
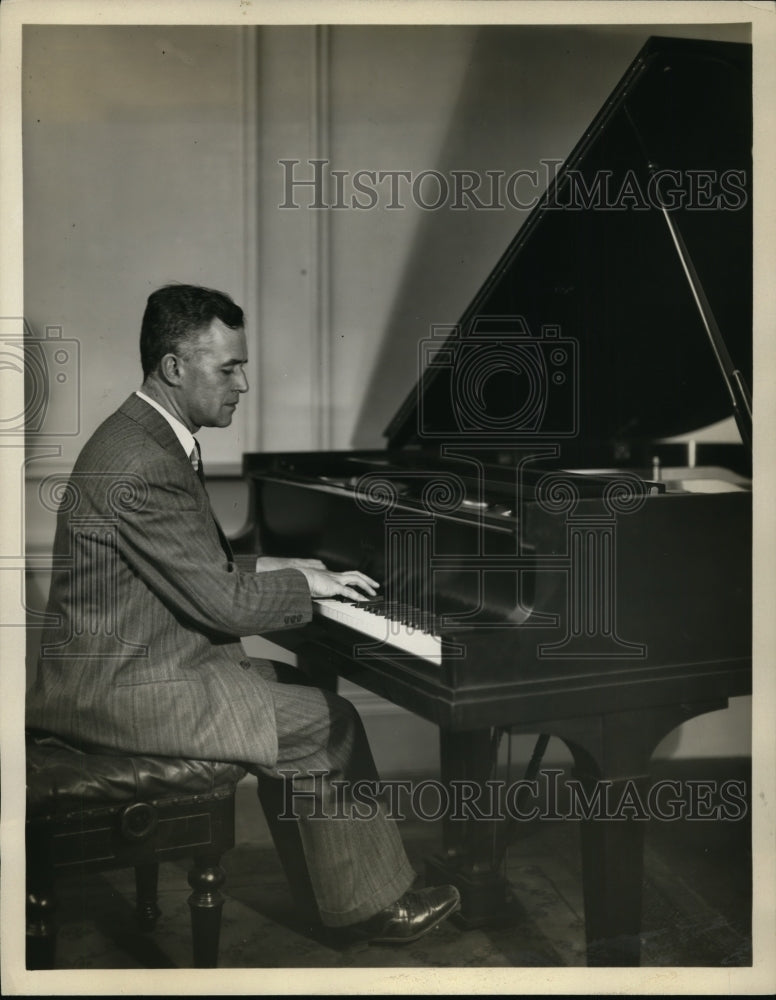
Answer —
212 376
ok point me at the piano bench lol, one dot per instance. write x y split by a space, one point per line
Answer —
89 812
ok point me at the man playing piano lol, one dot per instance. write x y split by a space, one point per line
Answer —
159 667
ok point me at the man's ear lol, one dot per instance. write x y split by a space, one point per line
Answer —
169 369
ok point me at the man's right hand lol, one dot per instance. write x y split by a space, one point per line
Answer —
351 583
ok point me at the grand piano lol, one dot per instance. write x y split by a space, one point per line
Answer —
553 561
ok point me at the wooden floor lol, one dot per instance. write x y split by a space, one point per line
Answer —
697 903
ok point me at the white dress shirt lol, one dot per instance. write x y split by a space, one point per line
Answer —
182 433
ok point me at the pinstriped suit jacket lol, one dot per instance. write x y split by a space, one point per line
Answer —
146 654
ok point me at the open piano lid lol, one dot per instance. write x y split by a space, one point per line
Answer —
613 350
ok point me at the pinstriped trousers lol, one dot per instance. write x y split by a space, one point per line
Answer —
351 867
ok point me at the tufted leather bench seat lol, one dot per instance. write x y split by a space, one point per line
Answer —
97 811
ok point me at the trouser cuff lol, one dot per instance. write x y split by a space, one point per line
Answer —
388 894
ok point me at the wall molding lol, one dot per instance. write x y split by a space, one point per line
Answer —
320 319
251 228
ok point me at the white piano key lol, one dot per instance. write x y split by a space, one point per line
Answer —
376 626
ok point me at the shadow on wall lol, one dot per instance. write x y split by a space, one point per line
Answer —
527 97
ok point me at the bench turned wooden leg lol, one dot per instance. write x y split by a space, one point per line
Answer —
147 887
206 878
41 928
41 934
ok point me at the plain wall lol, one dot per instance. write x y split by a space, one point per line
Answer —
153 154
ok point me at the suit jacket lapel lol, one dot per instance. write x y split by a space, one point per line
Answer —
155 424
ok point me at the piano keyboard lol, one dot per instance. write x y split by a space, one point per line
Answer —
400 628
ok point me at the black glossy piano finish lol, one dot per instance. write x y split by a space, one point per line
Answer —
588 579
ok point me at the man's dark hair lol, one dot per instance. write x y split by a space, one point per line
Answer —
175 314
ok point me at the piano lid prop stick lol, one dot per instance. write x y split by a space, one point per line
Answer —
735 382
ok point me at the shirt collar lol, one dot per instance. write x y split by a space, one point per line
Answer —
180 430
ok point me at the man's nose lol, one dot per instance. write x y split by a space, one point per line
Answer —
242 381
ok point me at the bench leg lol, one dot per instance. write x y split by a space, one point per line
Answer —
41 929
147 888
206 878
41 901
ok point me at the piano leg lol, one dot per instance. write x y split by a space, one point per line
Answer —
615 749
467 861
612 873
611 754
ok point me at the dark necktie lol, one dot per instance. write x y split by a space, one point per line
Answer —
201 474
198 459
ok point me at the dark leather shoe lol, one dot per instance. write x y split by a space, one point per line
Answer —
412 915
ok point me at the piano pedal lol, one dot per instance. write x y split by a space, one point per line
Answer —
486 897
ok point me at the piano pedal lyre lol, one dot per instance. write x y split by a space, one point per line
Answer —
486 895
